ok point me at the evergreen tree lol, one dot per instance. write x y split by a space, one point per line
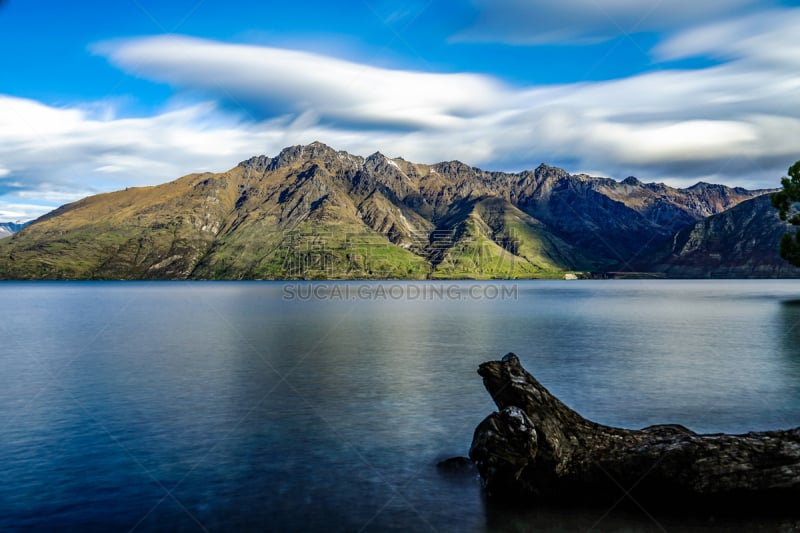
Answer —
783 201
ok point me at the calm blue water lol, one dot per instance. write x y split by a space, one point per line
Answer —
260 405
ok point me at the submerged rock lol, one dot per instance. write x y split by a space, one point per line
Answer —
538 449
456 465
457 469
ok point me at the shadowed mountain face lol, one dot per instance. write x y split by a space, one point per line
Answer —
313 212
739 243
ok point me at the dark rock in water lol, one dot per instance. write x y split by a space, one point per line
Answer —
538 449
458 470
457 465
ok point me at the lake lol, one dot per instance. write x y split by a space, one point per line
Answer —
325 406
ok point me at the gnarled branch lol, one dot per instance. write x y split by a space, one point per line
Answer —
536 448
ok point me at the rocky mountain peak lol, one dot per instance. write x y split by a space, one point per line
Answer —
291 155
452 168
259 163
247 223
658 187
702 185
544 171
378 162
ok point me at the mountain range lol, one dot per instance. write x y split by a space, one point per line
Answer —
312 212
9 228
741 242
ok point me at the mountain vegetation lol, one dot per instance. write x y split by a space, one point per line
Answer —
741 242
312 212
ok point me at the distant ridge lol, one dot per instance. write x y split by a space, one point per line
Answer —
741 242
313 212
9 228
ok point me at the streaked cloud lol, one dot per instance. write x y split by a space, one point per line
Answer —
764 40
54 155
674 125
263 81
18 211
528 22
737 122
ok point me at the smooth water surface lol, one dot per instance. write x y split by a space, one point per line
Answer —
300 406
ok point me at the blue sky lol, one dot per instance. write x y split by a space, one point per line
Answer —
98 96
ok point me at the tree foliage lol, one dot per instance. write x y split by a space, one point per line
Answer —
783 201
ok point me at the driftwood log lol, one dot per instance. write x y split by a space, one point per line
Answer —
535 448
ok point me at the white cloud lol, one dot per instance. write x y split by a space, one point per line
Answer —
765 40
16 211
57 155
738 122
275 81
583 21
665 125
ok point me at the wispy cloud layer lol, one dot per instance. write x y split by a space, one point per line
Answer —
54 155
273 81
587 21
737 122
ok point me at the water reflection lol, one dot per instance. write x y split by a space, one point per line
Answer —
629 516
257 411
787 329
787 339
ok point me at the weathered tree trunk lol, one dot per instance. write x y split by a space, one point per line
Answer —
536 448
